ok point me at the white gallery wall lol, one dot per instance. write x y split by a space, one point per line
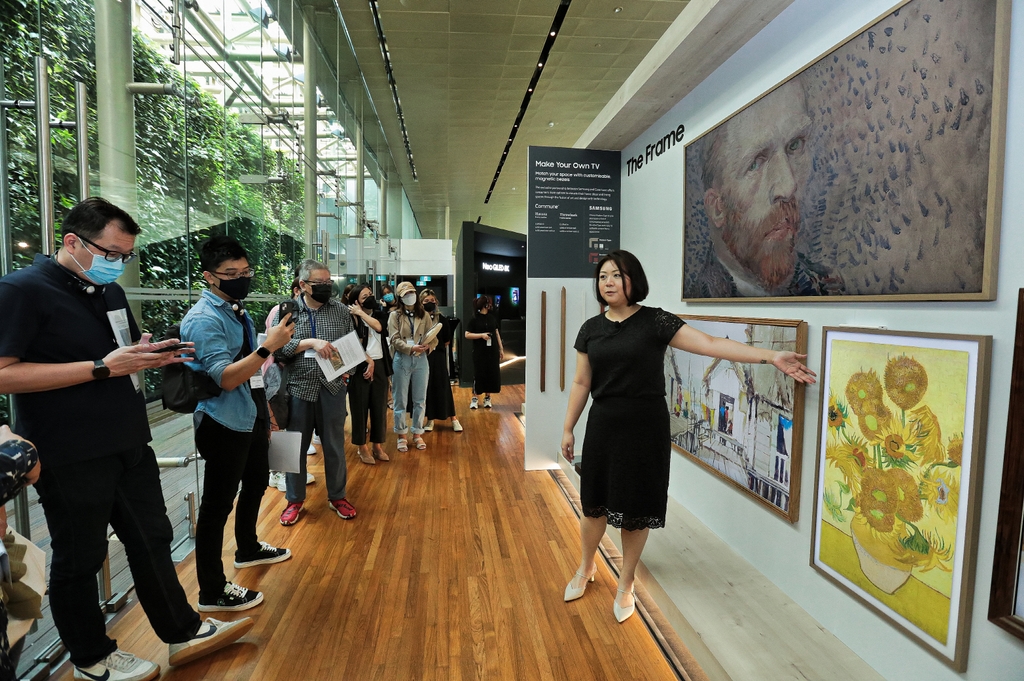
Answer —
652 218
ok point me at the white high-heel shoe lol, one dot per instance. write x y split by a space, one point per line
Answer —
623 614
572 593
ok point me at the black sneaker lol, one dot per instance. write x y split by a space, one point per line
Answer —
234 598
265 556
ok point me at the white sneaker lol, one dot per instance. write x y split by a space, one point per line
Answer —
429 426
316 439
487 403
312 450
310 479
276 480
456 426
282 483
212 635
474 403
119 666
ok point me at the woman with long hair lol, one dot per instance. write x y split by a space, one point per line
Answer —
620 358
440 404
368 397
487 352
407 328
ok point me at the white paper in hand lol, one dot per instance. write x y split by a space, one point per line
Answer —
285 451
348 354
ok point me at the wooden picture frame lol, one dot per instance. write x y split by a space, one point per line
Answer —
741 422
874 141
1005 606
898 476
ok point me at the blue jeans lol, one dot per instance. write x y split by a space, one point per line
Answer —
414 371
79 499
327 415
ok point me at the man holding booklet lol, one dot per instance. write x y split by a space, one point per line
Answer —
317 386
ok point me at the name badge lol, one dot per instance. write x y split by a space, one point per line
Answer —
123 336
256 381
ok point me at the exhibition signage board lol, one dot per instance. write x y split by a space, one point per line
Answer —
573 210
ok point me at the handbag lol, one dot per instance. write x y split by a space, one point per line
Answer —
185 388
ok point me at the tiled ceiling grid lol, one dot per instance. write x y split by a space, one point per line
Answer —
462 68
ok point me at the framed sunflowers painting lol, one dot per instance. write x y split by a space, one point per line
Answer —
898 472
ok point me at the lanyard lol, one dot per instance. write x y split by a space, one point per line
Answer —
312 323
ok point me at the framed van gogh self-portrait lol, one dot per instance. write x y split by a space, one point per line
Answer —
873 174
742 422
1006 600
900 442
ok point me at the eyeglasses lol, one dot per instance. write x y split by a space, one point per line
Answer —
313 282
248 273
109 255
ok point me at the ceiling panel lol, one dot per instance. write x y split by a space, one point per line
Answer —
462 68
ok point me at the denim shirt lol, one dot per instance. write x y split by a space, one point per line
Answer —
213 326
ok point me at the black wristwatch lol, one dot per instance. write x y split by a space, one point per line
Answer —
263 352
100 370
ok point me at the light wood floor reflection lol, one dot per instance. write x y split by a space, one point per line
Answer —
453 569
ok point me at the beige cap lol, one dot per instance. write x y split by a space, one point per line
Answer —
403 288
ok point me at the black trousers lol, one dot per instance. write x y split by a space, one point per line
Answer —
79 500
231 457
369 397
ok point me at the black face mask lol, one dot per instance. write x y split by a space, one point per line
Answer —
429 307
235 289
369 303
321 292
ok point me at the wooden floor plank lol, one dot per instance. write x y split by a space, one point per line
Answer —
453 569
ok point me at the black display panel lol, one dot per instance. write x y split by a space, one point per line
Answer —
573 210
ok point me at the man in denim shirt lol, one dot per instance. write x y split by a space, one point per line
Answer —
315 401
232 429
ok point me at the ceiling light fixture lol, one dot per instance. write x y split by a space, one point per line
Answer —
556 25
386 56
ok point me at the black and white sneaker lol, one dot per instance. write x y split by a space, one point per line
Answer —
234 598
265 556
487 402
119 666
212 635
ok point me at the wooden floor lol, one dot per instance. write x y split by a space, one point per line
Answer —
453 569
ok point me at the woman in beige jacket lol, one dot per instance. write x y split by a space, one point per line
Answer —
407 329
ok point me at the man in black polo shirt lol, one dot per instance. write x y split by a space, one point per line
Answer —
66 355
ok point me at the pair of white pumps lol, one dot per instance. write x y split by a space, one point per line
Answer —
621 614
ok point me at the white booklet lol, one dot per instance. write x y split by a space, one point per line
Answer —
348 354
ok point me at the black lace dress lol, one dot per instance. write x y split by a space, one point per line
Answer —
627 450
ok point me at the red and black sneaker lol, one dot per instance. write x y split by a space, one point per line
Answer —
341 506
290 515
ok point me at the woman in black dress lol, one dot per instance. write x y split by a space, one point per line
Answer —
440 403
487 352
368 397
627 449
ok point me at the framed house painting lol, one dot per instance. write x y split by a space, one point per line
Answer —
875 173
1006 600
741 422
898 474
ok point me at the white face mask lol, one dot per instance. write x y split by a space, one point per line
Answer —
409 299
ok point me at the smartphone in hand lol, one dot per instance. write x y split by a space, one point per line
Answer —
287 307
172 348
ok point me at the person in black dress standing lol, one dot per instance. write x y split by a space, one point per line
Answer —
369 396
440 403
487 352
627 448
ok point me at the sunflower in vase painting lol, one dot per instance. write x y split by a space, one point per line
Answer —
892 479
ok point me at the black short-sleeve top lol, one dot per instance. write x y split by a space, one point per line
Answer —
627 358
46 317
